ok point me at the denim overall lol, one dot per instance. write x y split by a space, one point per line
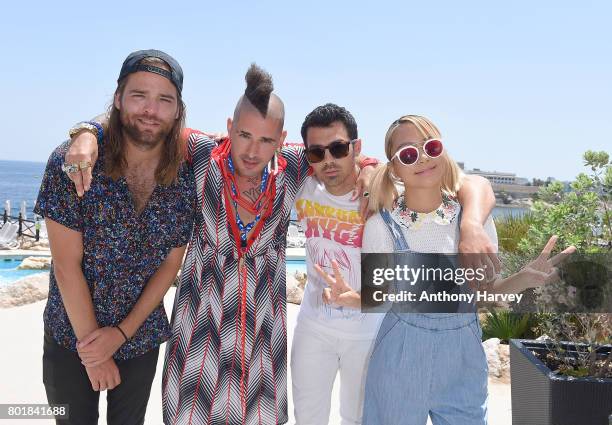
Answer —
426 364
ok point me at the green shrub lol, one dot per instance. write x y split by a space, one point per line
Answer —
511 229
580 217
506 325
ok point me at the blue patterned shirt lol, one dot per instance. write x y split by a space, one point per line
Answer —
121 249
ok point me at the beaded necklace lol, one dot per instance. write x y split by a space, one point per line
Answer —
246 228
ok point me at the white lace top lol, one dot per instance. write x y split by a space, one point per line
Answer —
433 232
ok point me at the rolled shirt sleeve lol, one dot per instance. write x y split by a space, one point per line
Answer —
57 198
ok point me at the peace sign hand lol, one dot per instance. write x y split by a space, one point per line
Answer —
339 292
542 270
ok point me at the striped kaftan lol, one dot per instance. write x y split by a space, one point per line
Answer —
226 362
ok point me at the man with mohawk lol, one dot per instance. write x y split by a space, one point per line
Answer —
226 362
227 359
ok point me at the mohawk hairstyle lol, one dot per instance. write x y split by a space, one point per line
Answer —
259 88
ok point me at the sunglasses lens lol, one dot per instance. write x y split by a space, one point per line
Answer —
339 150
433 148
315 155
408 155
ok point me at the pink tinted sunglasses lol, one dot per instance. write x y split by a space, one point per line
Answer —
409 155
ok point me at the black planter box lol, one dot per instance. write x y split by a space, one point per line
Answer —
540 397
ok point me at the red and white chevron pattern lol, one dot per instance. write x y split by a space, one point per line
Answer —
204 381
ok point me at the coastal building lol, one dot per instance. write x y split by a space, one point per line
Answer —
497 177
507 186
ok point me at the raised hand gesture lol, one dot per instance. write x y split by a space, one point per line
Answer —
542 270
339 292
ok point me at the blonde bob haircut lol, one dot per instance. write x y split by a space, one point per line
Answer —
383 191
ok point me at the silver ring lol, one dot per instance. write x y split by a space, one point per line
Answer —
70 168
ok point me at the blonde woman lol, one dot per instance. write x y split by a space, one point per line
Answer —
428 364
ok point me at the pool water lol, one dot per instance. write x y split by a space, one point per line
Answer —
296 265
9 272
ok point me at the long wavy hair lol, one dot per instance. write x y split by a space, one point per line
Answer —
174 147
383 190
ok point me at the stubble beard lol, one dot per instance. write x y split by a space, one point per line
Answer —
146 140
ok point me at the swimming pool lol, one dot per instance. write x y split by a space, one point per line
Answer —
9 272
296 265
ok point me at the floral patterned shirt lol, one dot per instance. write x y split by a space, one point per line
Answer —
121 248
443 215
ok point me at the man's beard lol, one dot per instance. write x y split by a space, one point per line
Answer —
144 139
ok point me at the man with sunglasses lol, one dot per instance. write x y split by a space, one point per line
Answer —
332 335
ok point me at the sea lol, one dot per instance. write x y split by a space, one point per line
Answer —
20 181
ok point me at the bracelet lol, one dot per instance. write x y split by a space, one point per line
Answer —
122 333
100 129
91 126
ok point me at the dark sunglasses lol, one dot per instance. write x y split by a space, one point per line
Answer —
409 155
338 149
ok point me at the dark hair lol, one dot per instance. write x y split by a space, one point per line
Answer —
259 88
326 115
173 152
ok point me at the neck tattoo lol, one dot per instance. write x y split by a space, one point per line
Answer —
252 194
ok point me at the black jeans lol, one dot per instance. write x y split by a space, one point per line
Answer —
66 382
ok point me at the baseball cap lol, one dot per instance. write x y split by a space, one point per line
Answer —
131 64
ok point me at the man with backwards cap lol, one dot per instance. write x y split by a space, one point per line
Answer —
117 249
226 362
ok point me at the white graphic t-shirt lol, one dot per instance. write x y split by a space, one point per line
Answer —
333 228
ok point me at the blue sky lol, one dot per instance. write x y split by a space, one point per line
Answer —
522 86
